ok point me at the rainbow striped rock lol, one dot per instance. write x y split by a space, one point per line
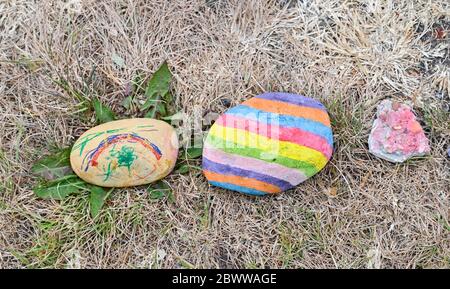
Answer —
268 144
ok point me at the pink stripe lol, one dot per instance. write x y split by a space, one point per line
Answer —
289 134
292 176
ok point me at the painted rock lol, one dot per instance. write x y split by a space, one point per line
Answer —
268 144
396 135
126 152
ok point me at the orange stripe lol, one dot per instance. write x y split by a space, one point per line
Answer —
289 109
243 182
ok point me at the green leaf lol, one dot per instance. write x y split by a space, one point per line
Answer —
54 166
183 169
102 112
156 194
126 103
176 116
151 113
158 85
61 188
161 108
185 264
170 196
193 153
151 102
168 97
160 189
97 199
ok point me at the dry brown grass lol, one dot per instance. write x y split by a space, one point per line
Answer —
349 54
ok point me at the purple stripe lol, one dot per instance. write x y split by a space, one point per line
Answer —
292 99
229 170
293 176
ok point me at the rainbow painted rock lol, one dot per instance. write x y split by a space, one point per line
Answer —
126 152
268 144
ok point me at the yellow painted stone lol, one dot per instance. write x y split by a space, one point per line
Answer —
125 153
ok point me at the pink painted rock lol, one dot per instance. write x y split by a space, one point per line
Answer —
396 135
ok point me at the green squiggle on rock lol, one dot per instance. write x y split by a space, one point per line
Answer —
123 158
126 157
108 172
82 142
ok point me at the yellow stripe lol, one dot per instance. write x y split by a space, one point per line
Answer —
243 138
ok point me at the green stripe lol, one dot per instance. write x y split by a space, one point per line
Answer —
307 168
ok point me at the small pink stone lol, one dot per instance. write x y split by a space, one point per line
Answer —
396 135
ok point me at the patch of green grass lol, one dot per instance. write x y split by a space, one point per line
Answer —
312 228
86 95
21 131
23 260
444 223
7 186
205 216
347 121
3 205
160 190
427 256
166 229
6 183
84 101
134 215
308 214
69 225
45 249
185 264
291 245
252 265
447 261
105 225
27 63
437 120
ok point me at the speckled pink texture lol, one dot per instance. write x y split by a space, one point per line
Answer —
396 135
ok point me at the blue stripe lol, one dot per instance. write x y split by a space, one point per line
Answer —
155 148
240 189
229 170
283 120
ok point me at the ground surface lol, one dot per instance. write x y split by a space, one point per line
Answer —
359 211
